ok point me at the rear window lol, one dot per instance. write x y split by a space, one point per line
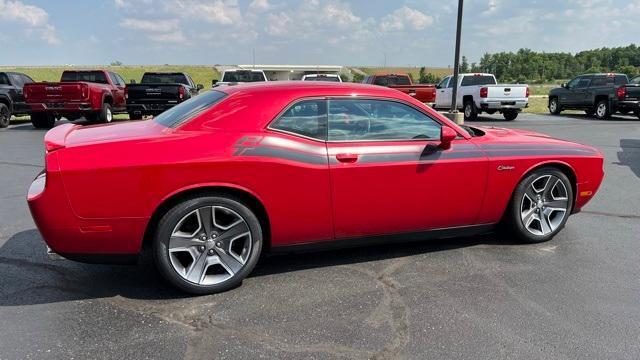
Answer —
190 108
86 76
478 80
391 80
243 76
164 79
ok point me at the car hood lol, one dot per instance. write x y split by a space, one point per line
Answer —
515 138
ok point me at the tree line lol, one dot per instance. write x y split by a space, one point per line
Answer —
530 66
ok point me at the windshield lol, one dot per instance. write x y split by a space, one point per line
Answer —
164 79
243 76
190 108
86 76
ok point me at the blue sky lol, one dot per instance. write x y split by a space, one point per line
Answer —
355 32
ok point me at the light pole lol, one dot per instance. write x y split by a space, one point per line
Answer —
456 64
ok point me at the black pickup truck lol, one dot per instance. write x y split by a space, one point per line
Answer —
11 96
597 94
157 92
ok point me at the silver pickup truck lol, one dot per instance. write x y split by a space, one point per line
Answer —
479 93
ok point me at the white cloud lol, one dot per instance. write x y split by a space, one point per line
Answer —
260 5
492 7
221 12
150 25
35 18
405 18
278 24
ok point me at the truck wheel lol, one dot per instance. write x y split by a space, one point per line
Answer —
43 121
510 115
5 116
470 111
105 115
554 106
133 116
602 110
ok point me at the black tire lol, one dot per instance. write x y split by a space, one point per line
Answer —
104 116
589 112
5 115
133 116
513 216
510 115
470 111
554 106
602 110
43 121
168 223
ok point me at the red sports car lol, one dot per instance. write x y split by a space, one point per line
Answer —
241 170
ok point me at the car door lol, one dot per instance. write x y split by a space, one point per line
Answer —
388 174
118 91
574 91
443 95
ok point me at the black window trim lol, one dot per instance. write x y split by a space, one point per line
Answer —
348 97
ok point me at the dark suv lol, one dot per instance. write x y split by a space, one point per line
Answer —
11 96
597 94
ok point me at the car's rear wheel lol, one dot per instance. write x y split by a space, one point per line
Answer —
470 111
5 115
510 115
554 106
540 206
207 244
43 120
602 110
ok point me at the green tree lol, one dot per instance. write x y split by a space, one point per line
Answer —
464 65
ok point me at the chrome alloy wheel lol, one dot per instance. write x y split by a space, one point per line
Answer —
553 105
209 245
109 115
601 110
544 205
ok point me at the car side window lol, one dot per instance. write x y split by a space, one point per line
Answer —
306 118
120 79
365 119
4 80
380 80
26 79
16 79
583 83
443 83
450 85
572 84
602 80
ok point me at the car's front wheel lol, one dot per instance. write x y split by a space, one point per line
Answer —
554 106
5 115
540 206
207 244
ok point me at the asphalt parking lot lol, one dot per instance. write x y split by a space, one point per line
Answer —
575 297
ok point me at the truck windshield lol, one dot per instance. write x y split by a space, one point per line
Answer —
478 80
164 79
392 80
190 108
86 76
243 76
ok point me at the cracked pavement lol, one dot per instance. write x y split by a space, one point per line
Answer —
574 297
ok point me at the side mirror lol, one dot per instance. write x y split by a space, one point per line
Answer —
438 86
564 85
199 87
447 135
132 81
214 82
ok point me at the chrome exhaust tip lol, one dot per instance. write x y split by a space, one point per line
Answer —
53 255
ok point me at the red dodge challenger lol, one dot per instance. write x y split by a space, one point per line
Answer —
241 170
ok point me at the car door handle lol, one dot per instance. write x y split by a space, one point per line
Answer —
347 158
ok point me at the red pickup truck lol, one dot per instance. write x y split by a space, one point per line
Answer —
425 93
93 94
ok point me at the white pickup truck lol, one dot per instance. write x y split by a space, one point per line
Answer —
479 93
238 76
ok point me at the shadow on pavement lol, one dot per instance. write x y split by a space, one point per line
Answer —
29 277
630 155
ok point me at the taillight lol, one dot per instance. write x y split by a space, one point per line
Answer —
126 93
484 92
181 92
527 93
621 92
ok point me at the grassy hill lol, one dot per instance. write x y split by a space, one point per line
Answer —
200 74
414 71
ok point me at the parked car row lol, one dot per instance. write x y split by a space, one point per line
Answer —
240 76
598 95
